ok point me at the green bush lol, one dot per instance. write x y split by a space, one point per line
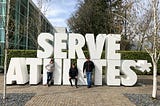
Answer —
134 55
21 53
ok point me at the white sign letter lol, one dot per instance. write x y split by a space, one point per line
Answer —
113 72
113 59
17 71
66 67
60 45
35 69
98 71
76 42
129 78
47 51
95 48
113 46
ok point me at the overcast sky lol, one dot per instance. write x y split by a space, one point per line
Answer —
59 11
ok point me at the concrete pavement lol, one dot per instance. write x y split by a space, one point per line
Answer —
82 96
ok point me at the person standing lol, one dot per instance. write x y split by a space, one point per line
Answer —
50 67
73 74
88 66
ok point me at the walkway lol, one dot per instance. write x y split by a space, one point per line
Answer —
82 96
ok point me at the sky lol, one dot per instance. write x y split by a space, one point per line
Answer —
59 11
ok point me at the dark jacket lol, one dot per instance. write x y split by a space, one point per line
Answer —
88 66
73 72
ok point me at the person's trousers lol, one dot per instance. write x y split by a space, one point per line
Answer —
49 76
89 78
71 81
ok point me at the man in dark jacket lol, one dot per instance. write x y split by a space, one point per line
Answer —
88 66
73 74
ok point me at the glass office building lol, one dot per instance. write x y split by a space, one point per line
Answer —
25 23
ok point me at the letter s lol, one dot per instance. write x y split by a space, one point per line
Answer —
129 78
47 51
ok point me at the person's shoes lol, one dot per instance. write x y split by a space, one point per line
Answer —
71 85
76 86
89 87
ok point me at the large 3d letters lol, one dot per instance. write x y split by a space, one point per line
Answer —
35 69
113 60
98 71
66 67
70 46
76 42
58 72
95 48
17 71
129 78
47 51
60 45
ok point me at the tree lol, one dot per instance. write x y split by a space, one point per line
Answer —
147 30
139 21
135 26
96 16
6 46
43 5
154 51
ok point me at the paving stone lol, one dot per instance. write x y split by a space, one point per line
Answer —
82 96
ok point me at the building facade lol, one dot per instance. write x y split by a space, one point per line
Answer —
25 23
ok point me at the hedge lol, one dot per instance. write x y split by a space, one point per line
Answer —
125 55
21 53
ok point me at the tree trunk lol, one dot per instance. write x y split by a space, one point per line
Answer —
154 58
154 91
6 47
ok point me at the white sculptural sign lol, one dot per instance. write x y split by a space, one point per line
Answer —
17 71
65 47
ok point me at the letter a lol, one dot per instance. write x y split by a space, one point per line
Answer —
17 71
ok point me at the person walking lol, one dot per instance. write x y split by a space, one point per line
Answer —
88 67
50 67
73 74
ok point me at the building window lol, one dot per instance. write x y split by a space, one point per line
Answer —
2 34
2 0
2 8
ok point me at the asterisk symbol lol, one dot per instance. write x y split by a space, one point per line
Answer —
143 65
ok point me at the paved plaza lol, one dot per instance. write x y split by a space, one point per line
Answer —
82 96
